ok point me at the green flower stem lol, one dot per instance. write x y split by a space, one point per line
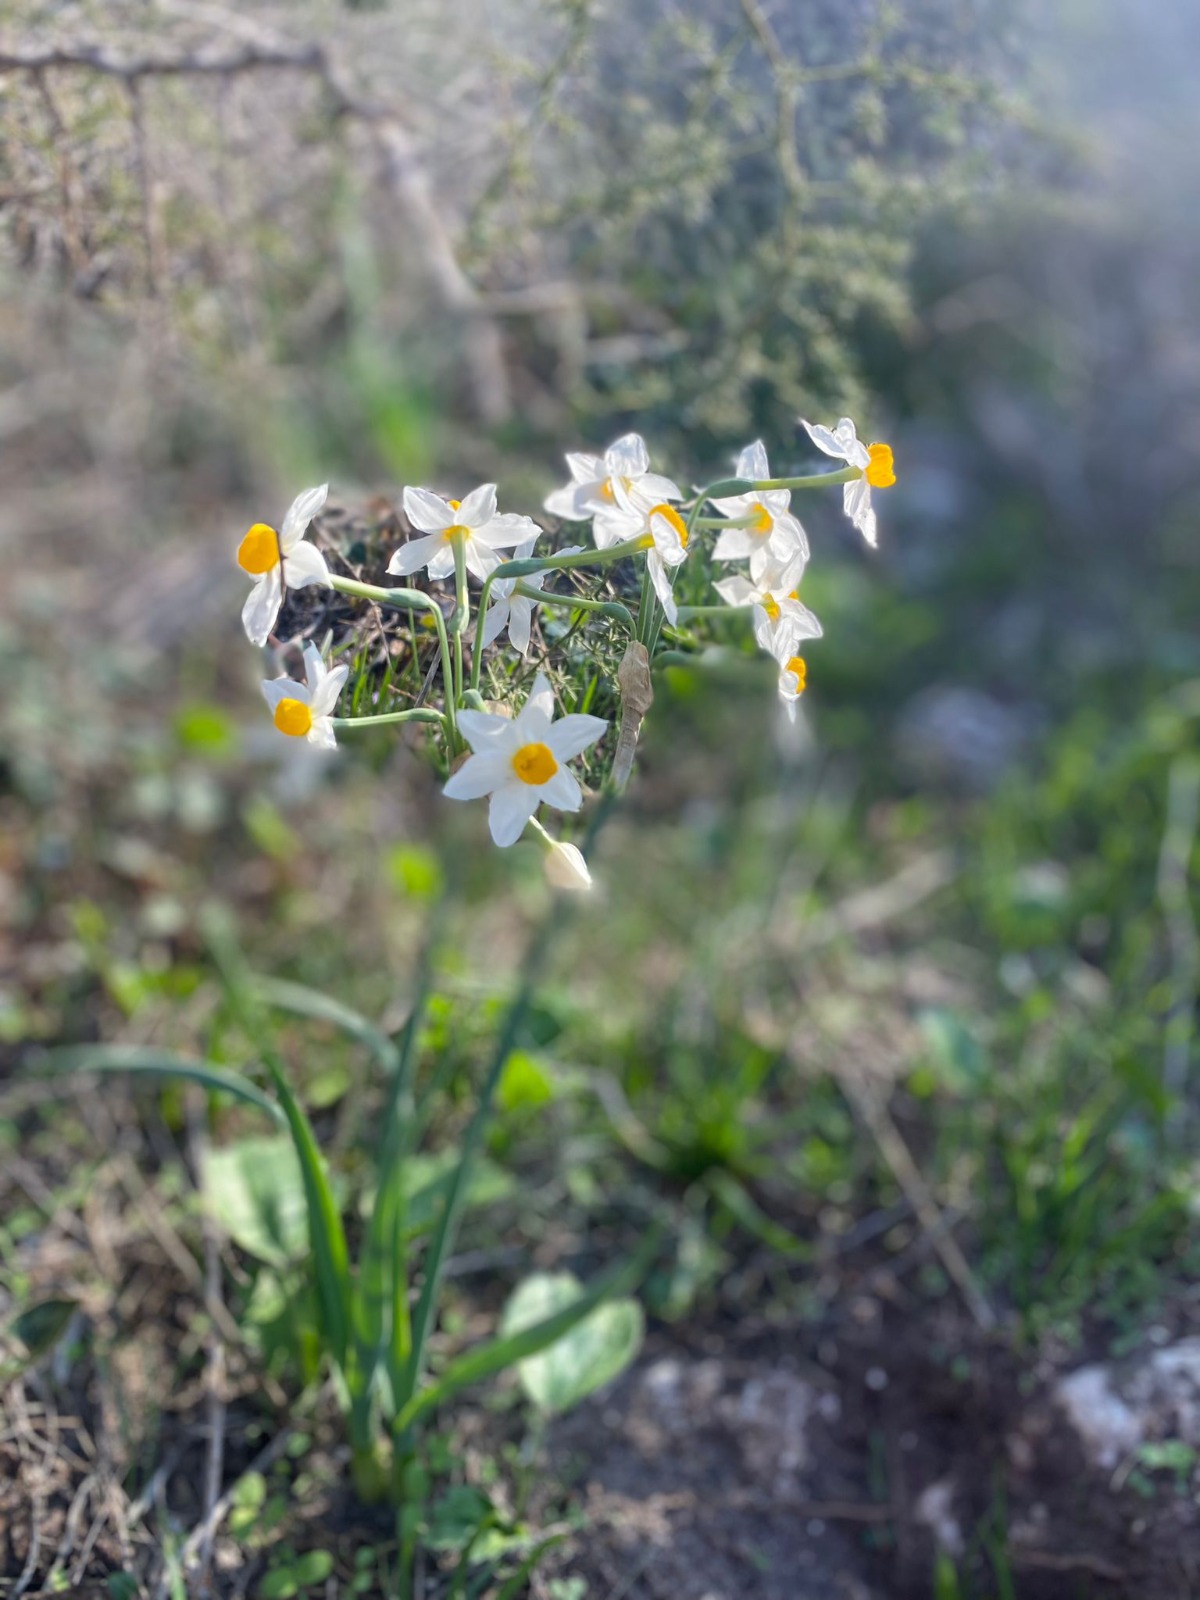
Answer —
462 613
529 565
419 602
416 714
686 613
647 606
729 487
723 522
607 608
581 558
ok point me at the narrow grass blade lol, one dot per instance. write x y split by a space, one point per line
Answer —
515 1585
151 1063
746 1211
448 1222
306 1002
495 1356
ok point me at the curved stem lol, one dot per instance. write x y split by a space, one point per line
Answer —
462 612
416 714
418 602
607 608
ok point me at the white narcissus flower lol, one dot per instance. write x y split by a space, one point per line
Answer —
662 529
874 461
781 621
520 761
793 675
515 611
594 480
474 521
304 710
274 558
774 534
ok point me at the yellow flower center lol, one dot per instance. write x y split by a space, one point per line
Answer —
673 517
534 763
259 550
761 520
771 606
796 665
294 718
880 471
456 528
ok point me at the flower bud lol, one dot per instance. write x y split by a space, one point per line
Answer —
566 868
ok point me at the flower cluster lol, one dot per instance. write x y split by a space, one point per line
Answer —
519 762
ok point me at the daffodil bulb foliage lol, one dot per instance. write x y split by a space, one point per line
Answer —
511 652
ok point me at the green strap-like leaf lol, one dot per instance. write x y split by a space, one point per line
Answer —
331 1262
306 1002
153 1063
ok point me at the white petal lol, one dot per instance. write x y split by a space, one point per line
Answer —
428 511
587 471
662 586
660 488
614 527
495 622
325 695
856 502
570 503
321 734
314 666
803 622
627 457
562 791
752 463
541 697
304 565
478 775
441 561
571 735
519 618
479 558
667 540
531 726
737 505
735 544
300 513
508 529
788 538
479 507
411 557
483 730
736 591
277 689
262 607
510 809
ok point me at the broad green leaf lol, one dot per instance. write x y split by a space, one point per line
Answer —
313 1567
256 1191
141 1059
519 1344
598 1347
525 1084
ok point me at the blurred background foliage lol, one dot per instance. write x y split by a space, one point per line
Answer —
445 242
